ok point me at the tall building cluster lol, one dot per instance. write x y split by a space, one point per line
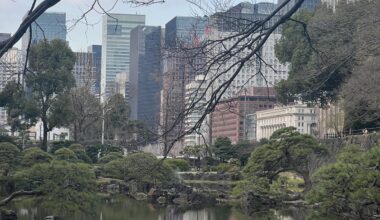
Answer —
148 66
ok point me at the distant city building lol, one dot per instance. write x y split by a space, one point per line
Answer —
184 31
96 57
57 134
334 3
255 73
178 70
11 66
121 84
195 94
49 26
4 36
300 116
310 5
265 70
145 75
83 71
116 44
232 118
243 15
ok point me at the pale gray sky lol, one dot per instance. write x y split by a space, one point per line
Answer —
12 11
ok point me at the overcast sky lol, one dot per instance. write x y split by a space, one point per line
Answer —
79 37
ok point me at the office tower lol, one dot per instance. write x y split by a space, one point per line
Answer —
235 117
84 72
11 66
184 30
145 75
96 57
195 94
49 26
263 69
310 5
179 70
116 30
243 16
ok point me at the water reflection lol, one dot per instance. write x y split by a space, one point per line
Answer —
123 208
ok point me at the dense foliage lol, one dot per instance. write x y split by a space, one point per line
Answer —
286 150
65 187
33 156
65 154
329 55
351 184
140 167
9 158
177 164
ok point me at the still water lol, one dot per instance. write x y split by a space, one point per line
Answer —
122 208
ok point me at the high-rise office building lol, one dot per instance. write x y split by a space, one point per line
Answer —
116 30
49 26
179 70
195 94
184 30
11 66
84 71
96 57
145 75
261 70
310 5
243 16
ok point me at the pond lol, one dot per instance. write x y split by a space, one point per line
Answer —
123 208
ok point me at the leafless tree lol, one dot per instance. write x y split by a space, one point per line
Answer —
246 48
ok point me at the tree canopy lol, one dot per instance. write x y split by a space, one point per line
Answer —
329 53
350 185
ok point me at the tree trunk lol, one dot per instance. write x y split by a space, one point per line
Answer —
17 194
45 134
307 180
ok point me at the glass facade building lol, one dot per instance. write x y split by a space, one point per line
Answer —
49 26
184 30
116 43
145 75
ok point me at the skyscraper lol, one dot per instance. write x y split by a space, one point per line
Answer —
49 26
96 57
116 30
145 75
255 73
11 66
184 30
178 70
310 5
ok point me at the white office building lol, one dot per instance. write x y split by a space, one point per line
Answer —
194 92
255 73
116 30
300 116
11 66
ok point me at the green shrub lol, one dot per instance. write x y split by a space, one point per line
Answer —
227 168
58 145
110 157
141 167
80 152
9 157
177 164
65 154
33 156
64 187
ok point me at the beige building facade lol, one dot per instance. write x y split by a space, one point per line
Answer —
300 116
